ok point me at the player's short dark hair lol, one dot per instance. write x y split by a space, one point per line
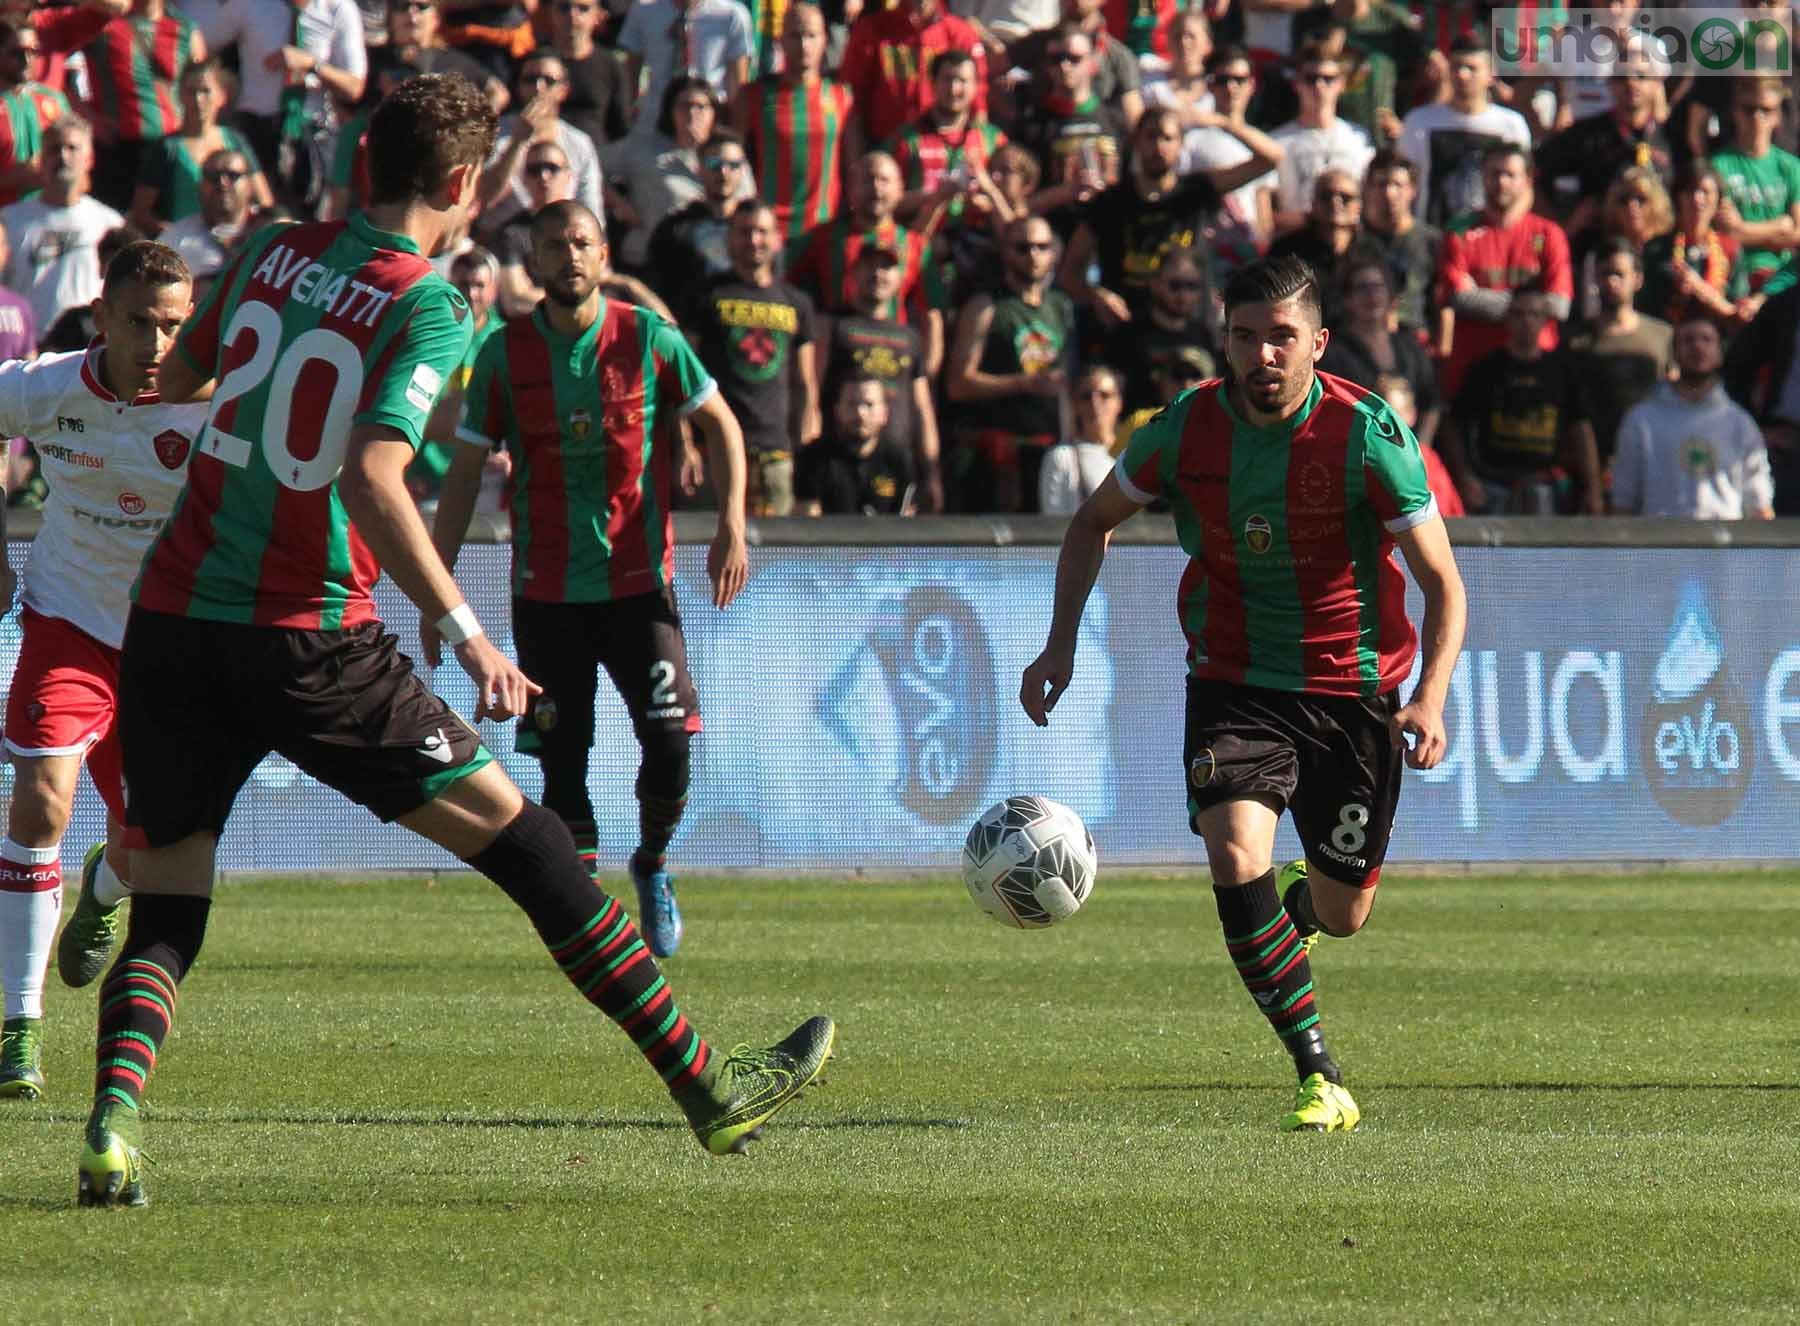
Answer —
1275 281
1317 46
725 135
210 65
1230 53
424 129
1389 158
1154 114
1614 245
1067 31
1469 43
1506 151
476 256
148 263
947 59
552 215
858 377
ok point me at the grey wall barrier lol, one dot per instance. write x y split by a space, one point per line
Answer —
1629 690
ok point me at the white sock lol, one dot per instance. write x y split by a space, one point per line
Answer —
27 924
109 889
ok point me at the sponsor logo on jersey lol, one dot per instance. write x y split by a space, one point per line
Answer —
65 424
423 387
1258 536
81 459
131 504
171 449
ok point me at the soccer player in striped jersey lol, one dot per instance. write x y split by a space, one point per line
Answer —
325 347
1290 489
114 456
587 393
799 128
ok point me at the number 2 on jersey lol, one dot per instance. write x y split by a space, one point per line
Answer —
281 367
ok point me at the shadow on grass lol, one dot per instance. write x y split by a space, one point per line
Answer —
524 1122
1375 1083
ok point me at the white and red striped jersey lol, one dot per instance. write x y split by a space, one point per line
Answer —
114 469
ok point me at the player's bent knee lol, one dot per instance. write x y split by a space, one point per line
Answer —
181 869
469 814
1342 909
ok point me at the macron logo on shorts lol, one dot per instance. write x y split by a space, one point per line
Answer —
437 748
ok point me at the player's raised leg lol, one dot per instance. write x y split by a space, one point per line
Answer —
529 853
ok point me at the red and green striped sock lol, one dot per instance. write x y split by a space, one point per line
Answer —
1271 960
137 998
593 941
608 961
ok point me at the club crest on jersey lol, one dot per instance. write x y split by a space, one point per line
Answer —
1314 482
580 421
171 449
131 504
543 714
1258 535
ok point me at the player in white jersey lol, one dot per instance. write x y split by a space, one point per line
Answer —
115 458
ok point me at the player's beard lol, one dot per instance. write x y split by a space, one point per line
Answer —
569 292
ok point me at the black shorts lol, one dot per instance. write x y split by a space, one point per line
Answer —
637 640
1328 758
202 702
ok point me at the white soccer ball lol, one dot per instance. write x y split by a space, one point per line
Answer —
1029 862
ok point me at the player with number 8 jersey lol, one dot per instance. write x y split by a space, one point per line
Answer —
1291 490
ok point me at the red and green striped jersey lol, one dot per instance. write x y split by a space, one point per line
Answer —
1291 582
25 113
796 145
591 421
314 330
927 153
133 68
821 261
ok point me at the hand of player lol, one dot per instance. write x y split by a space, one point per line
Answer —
1044 681
431 644
728 565
1425 724
501 690
693 469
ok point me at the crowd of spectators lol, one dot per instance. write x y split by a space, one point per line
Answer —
944 255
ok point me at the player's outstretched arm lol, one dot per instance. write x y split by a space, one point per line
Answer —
1426 548
728 561
372 488
1077 567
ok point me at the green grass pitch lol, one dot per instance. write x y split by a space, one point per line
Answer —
381 1103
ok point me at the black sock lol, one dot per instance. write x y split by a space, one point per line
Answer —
1267 951
566 796
662 790
593 941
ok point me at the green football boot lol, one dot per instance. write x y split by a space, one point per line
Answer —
112 1159
1323 1107
21 1052
91 930
1292 874
728 1110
